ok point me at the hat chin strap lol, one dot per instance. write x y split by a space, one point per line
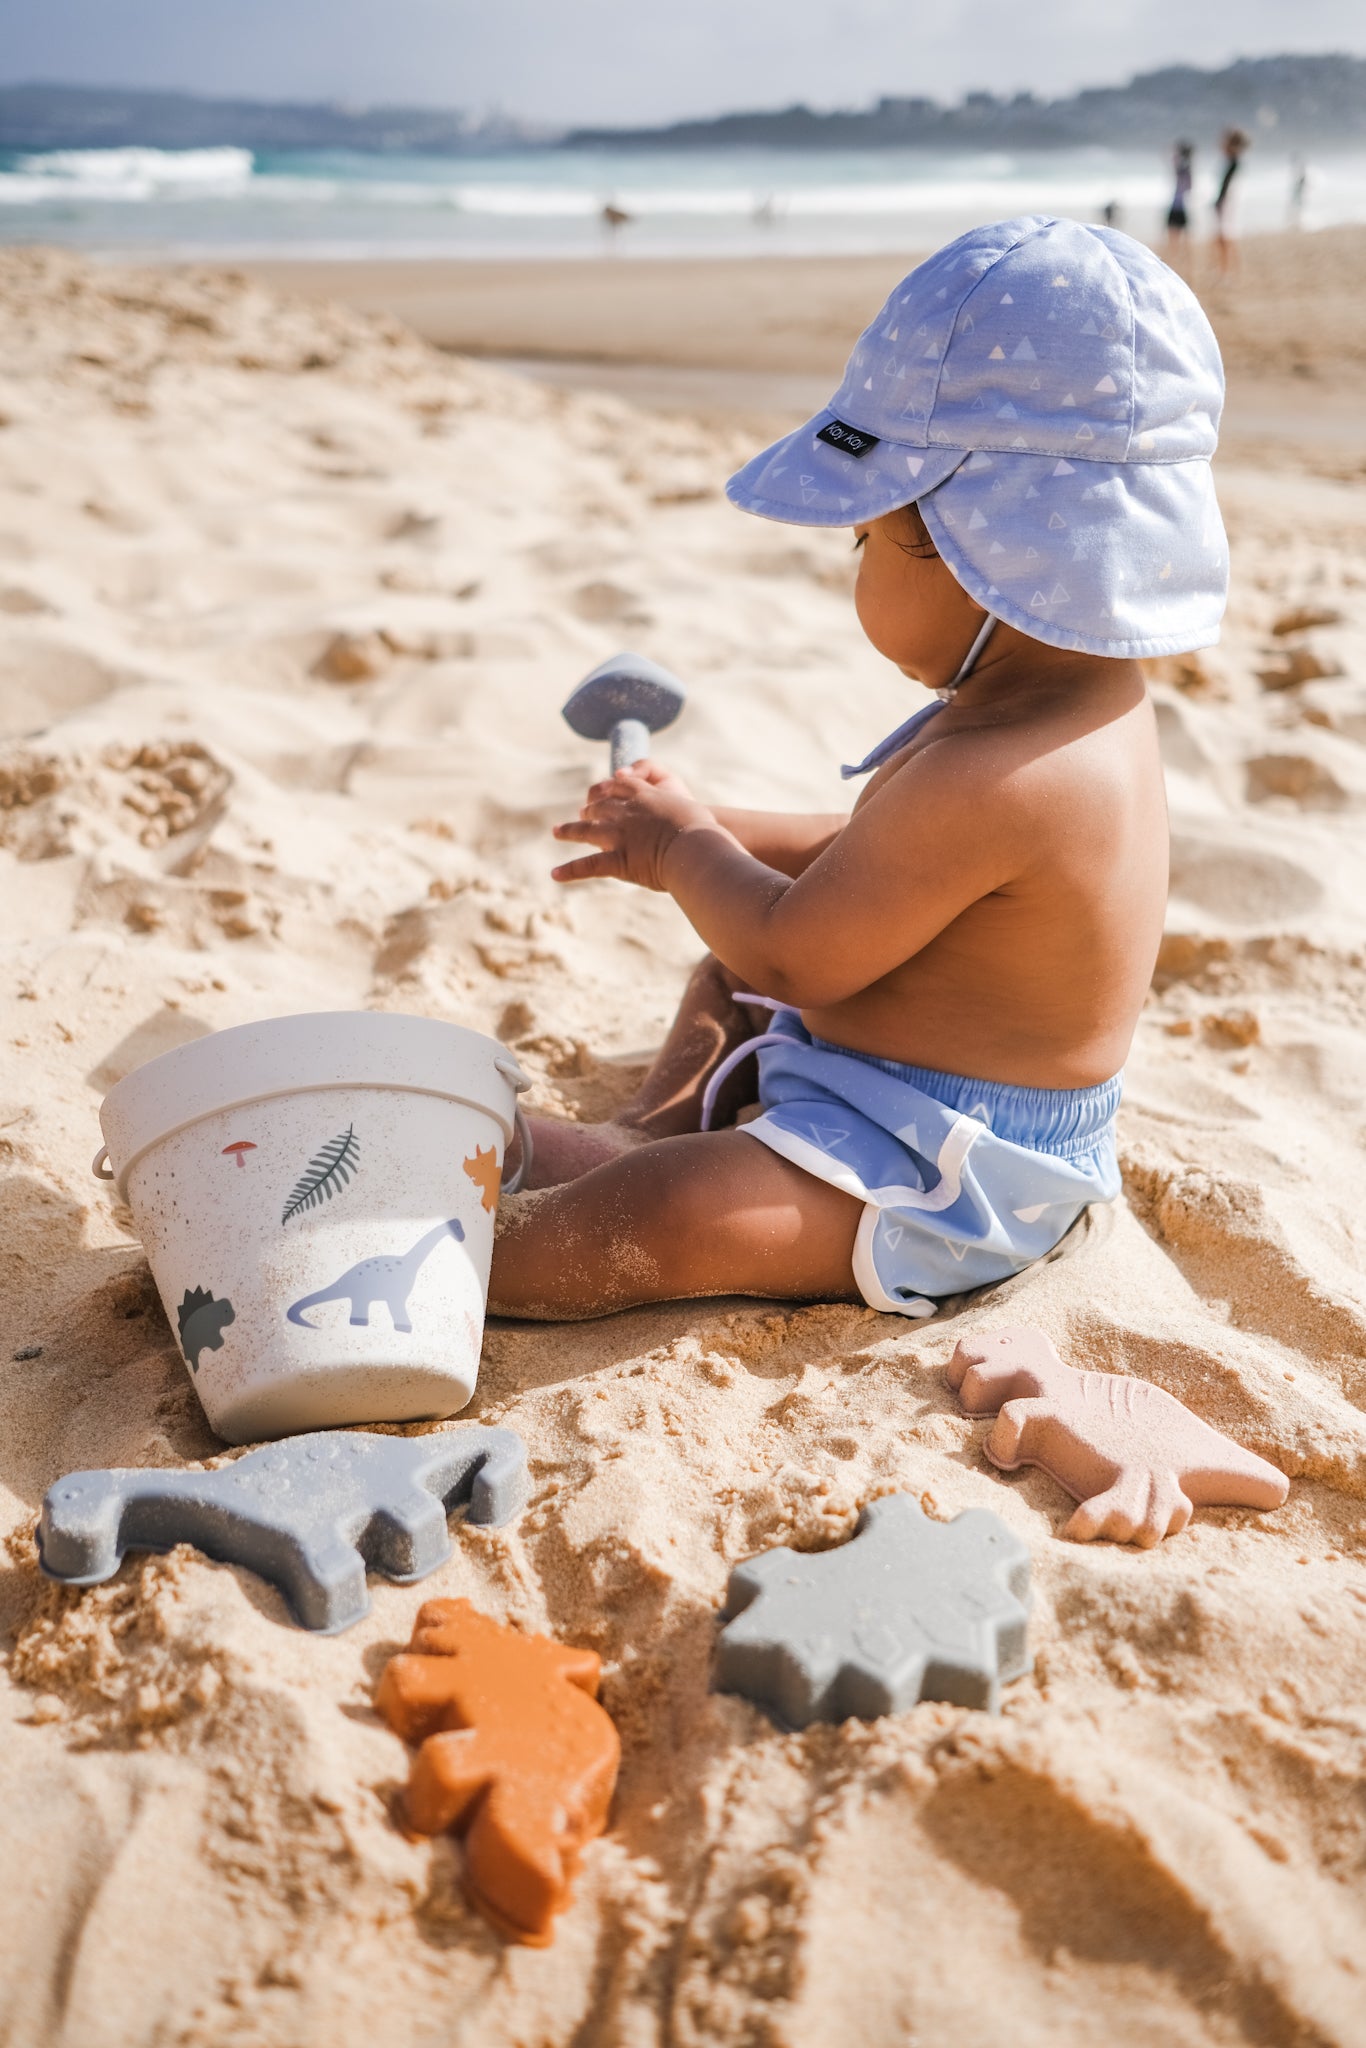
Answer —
970 659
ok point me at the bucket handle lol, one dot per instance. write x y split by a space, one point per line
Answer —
100 1166
513 1075
510 1187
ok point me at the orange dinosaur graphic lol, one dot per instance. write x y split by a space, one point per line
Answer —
486 1174
514 1753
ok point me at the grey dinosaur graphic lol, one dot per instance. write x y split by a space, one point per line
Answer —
388 1279
202 1321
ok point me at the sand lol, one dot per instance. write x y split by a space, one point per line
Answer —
214 502
728 336
1296 303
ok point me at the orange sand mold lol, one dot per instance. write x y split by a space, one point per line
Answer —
515 1755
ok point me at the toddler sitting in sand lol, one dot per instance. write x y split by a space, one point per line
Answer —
953 973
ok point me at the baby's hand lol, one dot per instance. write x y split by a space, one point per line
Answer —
634 817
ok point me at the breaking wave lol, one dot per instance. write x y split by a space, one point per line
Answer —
550 201
125 174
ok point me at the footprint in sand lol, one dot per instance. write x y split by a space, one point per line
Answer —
1304 781
1235 883
42 681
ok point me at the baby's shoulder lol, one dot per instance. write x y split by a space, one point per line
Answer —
1076 737
1038 765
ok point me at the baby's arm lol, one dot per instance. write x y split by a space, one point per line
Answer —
786 840
946 830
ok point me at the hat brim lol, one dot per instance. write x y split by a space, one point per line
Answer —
1121 559
806 482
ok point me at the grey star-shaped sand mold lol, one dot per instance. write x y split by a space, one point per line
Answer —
310 1514
908 1609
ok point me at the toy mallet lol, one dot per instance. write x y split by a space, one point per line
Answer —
623 701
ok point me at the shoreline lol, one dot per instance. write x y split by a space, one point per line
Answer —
778 313
765 342
1282 412
789 312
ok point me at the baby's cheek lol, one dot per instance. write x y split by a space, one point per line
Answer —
876 614
862 595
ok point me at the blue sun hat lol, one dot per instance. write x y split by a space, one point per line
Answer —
1048 394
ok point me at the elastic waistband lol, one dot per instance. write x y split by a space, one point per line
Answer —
1067 1122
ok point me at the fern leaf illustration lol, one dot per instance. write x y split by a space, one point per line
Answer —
328 1172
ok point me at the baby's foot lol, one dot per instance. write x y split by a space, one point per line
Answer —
562 1150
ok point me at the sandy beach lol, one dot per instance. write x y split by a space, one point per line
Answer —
289 602
769 335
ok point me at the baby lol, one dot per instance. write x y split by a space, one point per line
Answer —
952 974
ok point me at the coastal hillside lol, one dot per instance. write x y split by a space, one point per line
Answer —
1300 101
1305 101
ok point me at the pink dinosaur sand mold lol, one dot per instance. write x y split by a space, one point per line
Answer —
1137 1460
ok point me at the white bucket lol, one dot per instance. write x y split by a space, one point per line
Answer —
316 1196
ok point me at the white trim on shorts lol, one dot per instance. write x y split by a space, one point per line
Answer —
798 1152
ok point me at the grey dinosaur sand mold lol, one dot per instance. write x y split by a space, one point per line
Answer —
388 1278
908 1609
309 1515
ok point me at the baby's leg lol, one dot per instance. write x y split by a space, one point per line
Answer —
713 1213
668 1102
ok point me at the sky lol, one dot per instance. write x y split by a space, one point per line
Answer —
625 62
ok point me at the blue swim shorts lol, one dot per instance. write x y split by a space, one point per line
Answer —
963 1181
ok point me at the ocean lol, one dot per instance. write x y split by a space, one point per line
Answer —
225 203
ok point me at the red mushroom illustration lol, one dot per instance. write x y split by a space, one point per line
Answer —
242 1145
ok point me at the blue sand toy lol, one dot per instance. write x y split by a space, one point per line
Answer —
309 1514
907 1610
623 701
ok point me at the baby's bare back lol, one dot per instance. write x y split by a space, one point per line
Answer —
1040 979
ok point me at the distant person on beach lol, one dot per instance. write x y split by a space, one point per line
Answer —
1234 145
614 218
1299 186
1112 214
1178 213
895 1073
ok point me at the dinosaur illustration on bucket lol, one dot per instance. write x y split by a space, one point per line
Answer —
202 1321
388 1278
484 1170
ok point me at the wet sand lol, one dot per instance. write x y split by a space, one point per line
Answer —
765 339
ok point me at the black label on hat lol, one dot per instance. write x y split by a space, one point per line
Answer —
849 440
